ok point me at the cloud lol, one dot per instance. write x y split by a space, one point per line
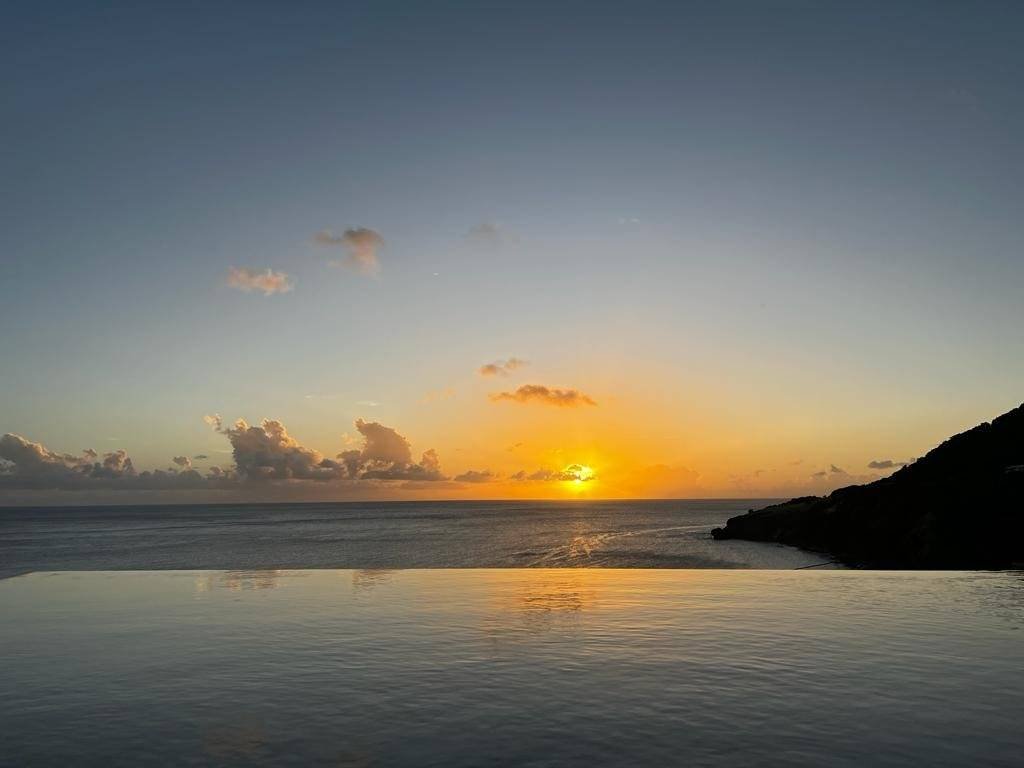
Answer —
268 452
264 453
832 470
28 465
886 464
573 472
269 282
501 367
383 443
475 476
361 246
387 455
537 393
200 456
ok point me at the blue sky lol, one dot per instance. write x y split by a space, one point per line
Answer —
754 215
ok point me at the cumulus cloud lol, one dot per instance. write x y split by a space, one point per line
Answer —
387 455
886 464
268 452
361 246
573 472
537 393
476 476
248 280
183 461
501 367
383 443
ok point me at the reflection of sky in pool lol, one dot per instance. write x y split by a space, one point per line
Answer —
492 667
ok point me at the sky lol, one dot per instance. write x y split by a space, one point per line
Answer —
502 250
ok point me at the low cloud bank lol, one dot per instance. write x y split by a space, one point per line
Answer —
572 473
263 453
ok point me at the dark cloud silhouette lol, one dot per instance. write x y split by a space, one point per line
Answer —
572 472
361 246
886 464
537 393
832 470
475 476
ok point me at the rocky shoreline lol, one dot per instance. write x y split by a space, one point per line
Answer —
959 506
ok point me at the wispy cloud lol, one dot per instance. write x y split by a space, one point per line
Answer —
361 245
269 282
501 367
537 393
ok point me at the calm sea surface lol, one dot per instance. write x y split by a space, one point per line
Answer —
530 667
633 534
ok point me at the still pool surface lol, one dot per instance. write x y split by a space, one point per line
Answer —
512 667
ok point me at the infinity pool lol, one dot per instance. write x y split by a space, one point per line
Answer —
512 667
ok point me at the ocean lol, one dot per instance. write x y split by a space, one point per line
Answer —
610 534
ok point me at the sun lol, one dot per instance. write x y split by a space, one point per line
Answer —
576 475
583 474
